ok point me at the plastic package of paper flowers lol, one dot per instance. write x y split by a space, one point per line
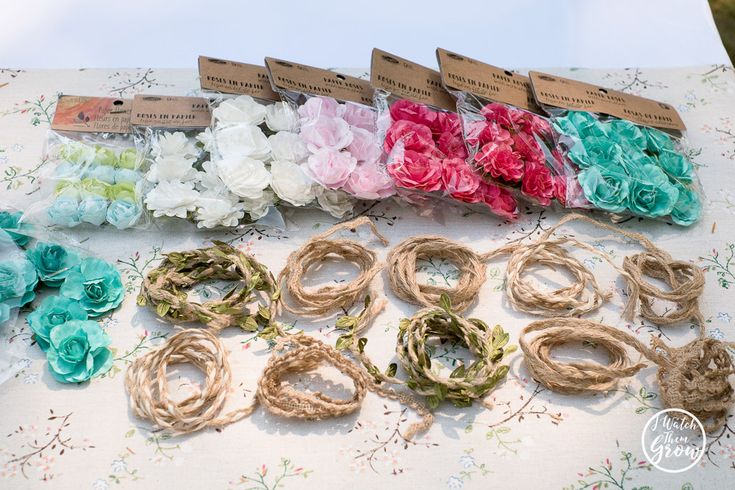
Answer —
94 174
337 145
626 155
508 137
421 135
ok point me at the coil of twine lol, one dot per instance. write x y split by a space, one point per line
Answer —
693 377
252 303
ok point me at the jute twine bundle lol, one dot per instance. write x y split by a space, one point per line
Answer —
582 296
693 377
252 303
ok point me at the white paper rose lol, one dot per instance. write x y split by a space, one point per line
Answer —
170 144
281 117
242 141
291 184
243 109
245 177
288 146
206 138
334 201
218 210
209 180
257 208
172 167
172 199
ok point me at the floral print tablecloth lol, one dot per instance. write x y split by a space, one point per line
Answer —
80 437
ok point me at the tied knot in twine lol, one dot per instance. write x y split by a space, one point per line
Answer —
693 377
324 300
165 288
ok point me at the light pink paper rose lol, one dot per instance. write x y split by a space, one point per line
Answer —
330 168
317 107
369 182
364 146
359 116
332 133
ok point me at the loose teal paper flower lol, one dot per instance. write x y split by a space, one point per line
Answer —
626 134
96 285
78 350
105 156
53 262
595 151
64 211
658 141
18 280
688 208
129 159
94 187
103 173
651 194
606 188
10 222
93 210
52 312
123 213
676 166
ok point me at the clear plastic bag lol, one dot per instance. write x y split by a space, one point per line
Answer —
91 179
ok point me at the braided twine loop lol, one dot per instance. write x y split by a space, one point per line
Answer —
165 289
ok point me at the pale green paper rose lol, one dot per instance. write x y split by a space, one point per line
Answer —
688 208
78 350
606 188
651 193
105 156
129 159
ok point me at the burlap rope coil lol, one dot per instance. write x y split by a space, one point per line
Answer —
250 305
582 296
693 377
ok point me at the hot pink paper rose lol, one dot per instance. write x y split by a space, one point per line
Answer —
446 122
405 110
415 170
360 116
414 137
480 133
498 113
364 146
560 189
317 107
529 150
332 133
369 182
538 183
499 200
452 146
330 168
460 181
500 161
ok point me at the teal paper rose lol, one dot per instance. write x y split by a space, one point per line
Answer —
105 156
633 160
96 285
53 262
586 124
658 141
651 194
688 208
10 222
52 312
129 159
102 173
595 151
77 351
123 213
18 280
124 175
626 134
606 188
93 210
64 211
676 166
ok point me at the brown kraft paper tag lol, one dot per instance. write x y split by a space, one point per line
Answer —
408 80
166 111
92 114
486 81
232 77
294 77
555 91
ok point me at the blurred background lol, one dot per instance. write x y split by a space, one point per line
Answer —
517 33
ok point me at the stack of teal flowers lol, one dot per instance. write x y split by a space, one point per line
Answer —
624 167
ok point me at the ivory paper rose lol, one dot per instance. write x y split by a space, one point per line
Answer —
291 184
242 109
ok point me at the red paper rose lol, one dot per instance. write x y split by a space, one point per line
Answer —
460 181
405 110
500 161
414 170
414 137
451 146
